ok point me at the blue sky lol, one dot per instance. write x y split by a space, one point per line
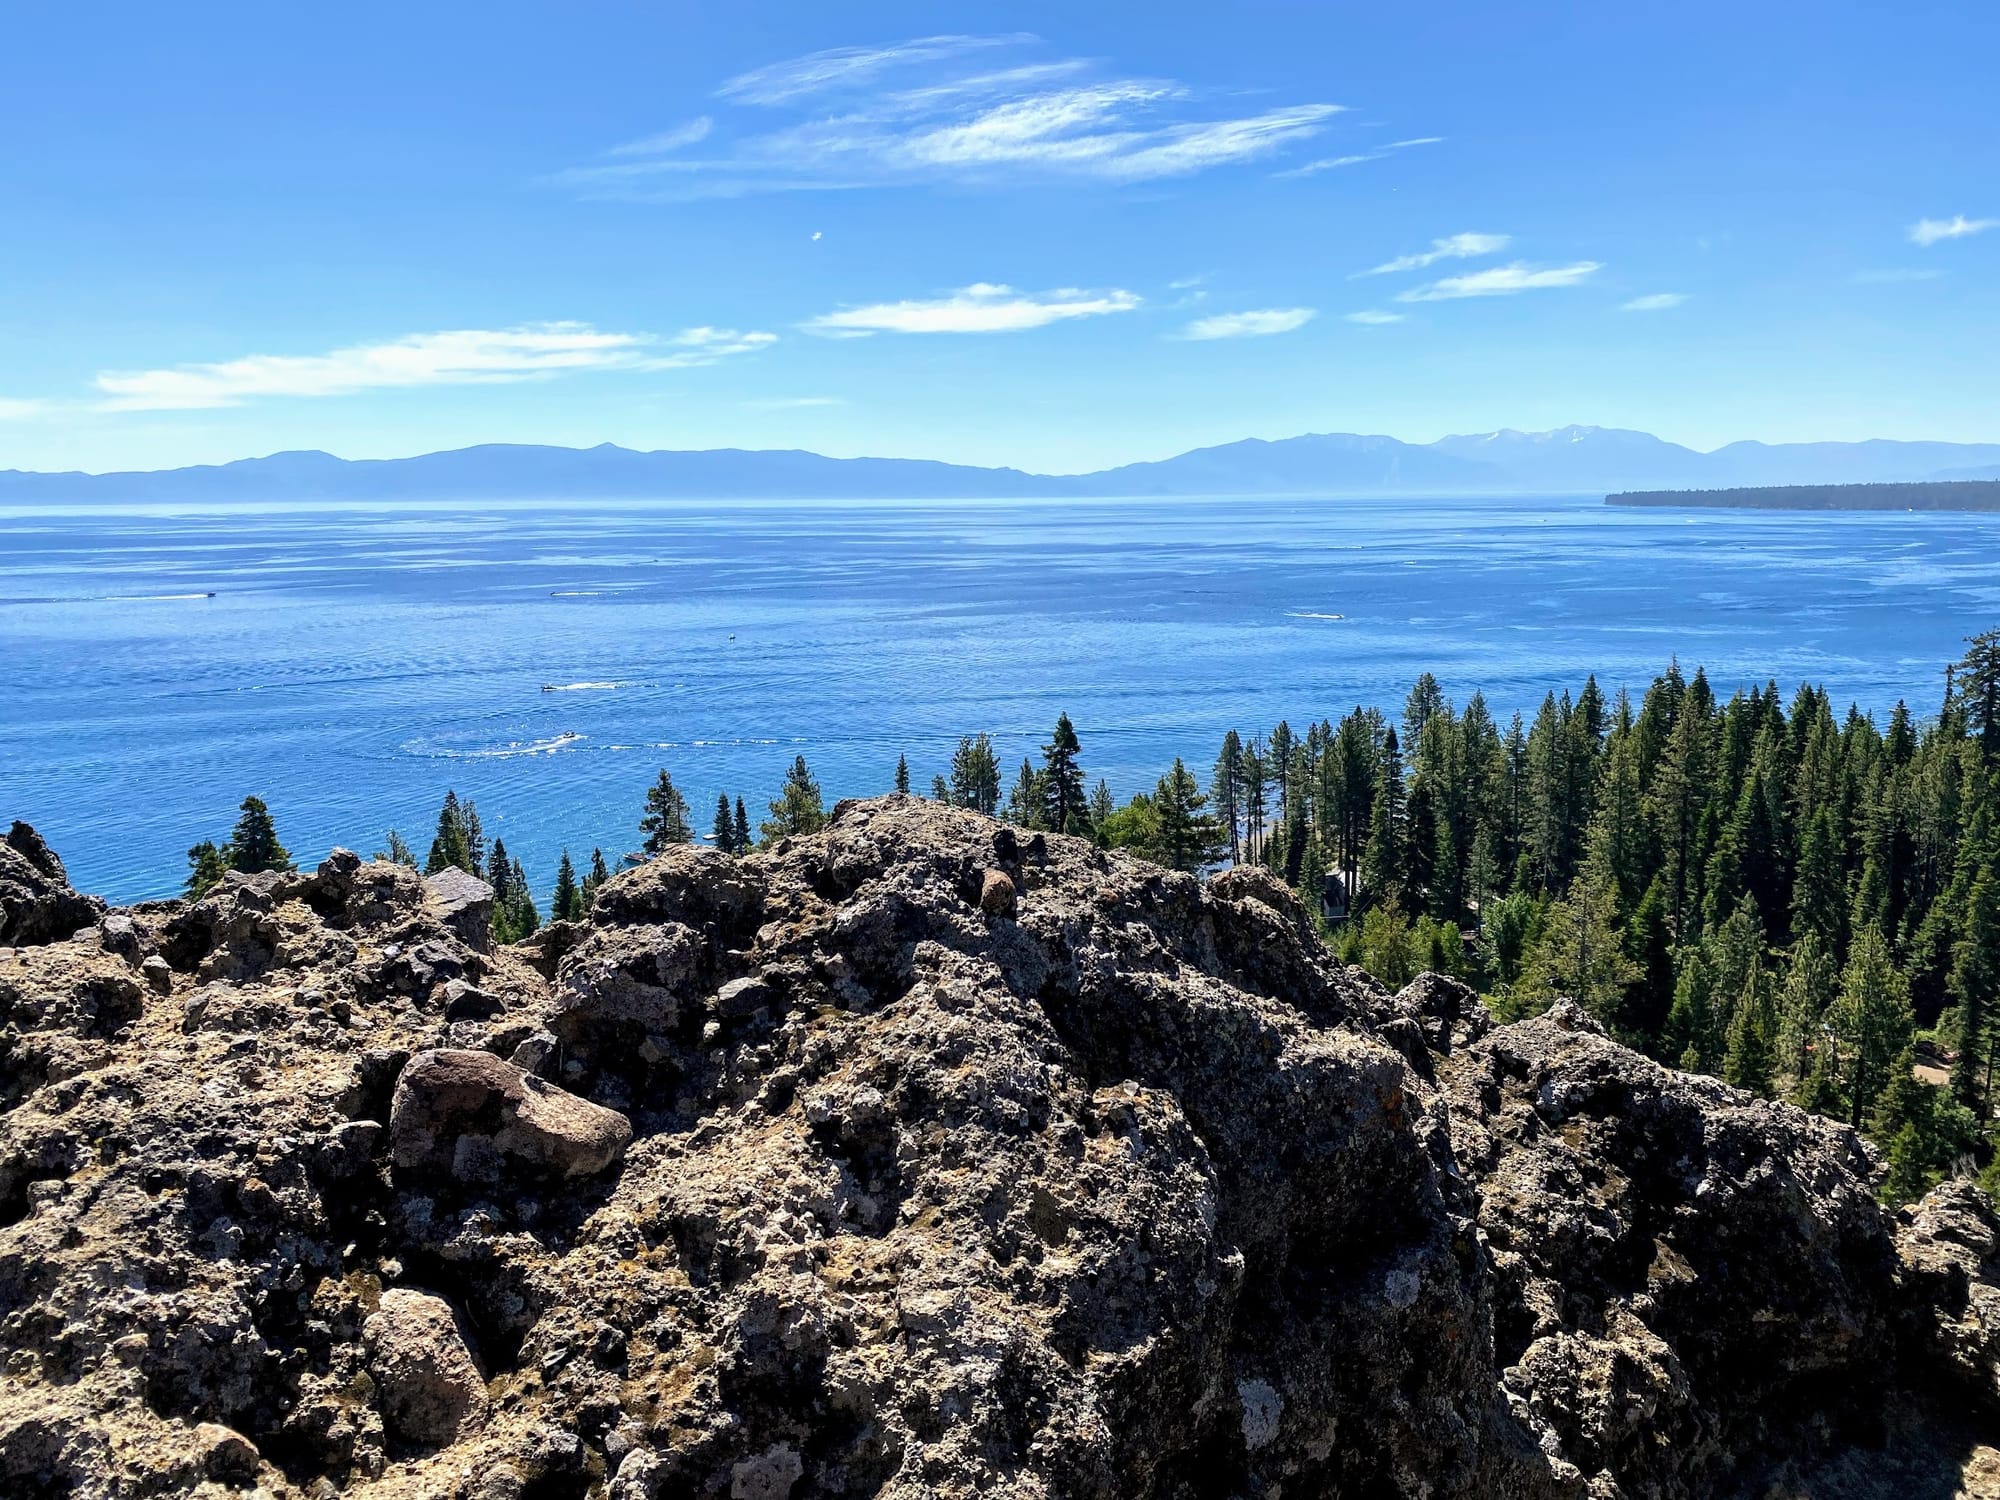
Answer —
1056 236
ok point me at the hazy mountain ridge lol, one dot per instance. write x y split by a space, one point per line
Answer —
1565 460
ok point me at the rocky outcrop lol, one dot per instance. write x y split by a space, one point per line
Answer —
914 1158
36 903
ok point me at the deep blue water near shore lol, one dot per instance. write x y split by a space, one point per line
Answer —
351 665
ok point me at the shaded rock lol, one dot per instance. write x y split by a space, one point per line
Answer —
429 1386
472 1116
37 905
1950 1250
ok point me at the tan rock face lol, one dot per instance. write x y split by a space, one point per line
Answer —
816 1180
429 1386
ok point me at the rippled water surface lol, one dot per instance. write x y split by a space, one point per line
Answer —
351 665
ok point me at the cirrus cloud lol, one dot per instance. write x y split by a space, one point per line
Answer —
1502 281
465 356
1451 247
1259 323
943 109
983 307
1957 227
1654 302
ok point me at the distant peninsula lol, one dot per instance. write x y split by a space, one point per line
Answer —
1958 494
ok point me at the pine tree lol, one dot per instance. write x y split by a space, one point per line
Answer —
1024 802
1101 807
525 919
1582 952
1225 790
740 830
1909 1175
501 923
475 841
665 823
975 775
567 905
206 867
1064 806
1382 859
1189 837
903 774
1872 1020
1808 990
1975 985
1747 1063
723 833
594 881
253 845
397 852
1688 1039
1977 692
940 790
450 848
797 808
1650 947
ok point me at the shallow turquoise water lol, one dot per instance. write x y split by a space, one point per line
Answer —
352 665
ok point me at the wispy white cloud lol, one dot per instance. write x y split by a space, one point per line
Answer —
19 409
1957 227
833 120
793 403
1897 273
847 67
692 133
1502 281
1250 325
466 356
1451 247
1654 302
1373 316
1354 159
984 307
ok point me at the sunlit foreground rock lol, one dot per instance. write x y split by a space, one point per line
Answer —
917 1158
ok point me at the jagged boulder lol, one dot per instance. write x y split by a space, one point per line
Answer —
1950 1249
471 1116
464 903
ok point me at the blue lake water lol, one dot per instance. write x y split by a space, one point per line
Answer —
351 665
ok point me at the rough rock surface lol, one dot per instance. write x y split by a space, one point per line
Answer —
470 1117
36 902
1123 1190
428 1385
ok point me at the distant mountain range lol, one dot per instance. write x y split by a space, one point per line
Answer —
1569 460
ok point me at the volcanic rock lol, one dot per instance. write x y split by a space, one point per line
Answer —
430 1388
470 1116
826 1183
36 903
464 903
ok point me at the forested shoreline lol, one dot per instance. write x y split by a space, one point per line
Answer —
1798 900
1928 494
